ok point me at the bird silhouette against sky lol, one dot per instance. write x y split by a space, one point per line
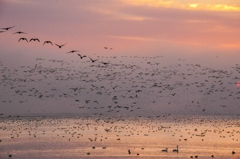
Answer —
7 28
19 32
81 57
73 51
34 39
93 60
23 39
47 42
60 46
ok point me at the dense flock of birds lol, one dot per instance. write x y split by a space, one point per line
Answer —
118 84
100 136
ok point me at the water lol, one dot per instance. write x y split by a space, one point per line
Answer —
76 136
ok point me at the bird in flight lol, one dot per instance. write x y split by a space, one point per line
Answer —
105 47
23 39
60 46
19 32
93 60
73 51
47 42
7 28
105 63
34 39
81 56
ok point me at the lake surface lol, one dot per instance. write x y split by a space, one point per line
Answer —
67 136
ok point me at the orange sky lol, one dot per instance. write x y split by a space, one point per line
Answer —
139 27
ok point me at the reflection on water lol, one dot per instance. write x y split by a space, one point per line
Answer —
113 137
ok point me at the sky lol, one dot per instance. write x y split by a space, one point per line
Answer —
139 27
199 31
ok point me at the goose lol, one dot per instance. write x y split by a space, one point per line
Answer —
60 46
81 56
47 42
175 150
34 39
93 60
23 39
165 150
7 28
19 32
73 51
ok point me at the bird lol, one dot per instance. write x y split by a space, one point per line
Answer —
7 28
34 39
93 60
22 39
60 46
47 42
81 56
105 63
19 32
73 51
175 150
105 47
165 150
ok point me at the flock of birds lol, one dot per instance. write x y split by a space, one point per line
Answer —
125 85
101 136
46 42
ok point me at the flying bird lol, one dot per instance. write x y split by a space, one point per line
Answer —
47 42
93 60
105 63
19 32
23 39
81 56
60 46
73 51
34 39
7 28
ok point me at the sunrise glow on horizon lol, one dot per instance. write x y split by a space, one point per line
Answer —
135 26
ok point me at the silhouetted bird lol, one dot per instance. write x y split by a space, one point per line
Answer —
22 39
34 39
81 56
73 51
19 32
60 46
7 28
47 42
93 60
